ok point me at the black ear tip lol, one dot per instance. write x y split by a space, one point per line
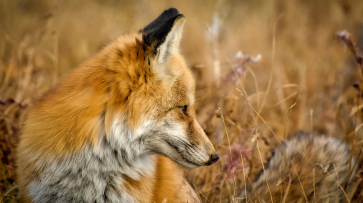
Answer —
175 18
171 12
181 16
162 19
158 33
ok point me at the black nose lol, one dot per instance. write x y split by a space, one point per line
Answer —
213 159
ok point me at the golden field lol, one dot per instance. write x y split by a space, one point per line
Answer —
304 79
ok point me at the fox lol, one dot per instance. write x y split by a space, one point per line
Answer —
120 127
308 168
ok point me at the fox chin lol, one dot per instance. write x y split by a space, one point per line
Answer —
113 129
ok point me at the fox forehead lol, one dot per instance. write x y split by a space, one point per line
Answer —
183 88
127 55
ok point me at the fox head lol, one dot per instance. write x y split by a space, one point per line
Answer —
137 93
160 102
159 95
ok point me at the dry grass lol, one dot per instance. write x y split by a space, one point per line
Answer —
305 79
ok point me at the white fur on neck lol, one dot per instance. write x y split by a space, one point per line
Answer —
124 138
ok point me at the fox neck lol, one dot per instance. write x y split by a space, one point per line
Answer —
126 149
105 169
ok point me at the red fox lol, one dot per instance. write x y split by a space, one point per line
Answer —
103 133
322 165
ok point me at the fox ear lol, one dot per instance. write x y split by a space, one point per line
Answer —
163 35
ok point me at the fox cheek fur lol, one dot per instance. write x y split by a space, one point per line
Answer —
176 135
183 142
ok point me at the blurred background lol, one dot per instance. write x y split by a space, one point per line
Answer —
265 69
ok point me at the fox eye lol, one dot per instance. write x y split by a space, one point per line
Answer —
184 109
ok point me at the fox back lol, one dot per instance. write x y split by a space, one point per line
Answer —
99 134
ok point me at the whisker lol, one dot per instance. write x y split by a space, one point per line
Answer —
206 100
204 88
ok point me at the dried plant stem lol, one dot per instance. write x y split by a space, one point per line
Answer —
216 63
238 77
256 84
250 97
263 167
311 123
225 128
337 182
302 97
285 99
355 164
346 38
249 180
26 81
244 176
272 63
285 133
244 172
195 188
230 150
287 189
336 173
230 195
287 120
314 184
345 194
55 42
357 128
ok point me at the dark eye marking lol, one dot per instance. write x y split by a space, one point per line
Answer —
184 109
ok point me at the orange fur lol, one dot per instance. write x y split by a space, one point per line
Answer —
168 181
167 184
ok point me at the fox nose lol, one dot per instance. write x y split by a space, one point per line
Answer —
213 159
